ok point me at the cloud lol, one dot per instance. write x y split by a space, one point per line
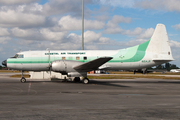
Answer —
4 32
174 44
121 3
167 5
175 48
72 23
118 19
53 36
102 17
176 26
31 8
23 33
139 33
62 40
91 40
41 38
134 42
54 7
12 2
11 18
111 30
4 40
91 36
104 40
43 34
30 15
136 31
112 27
146 34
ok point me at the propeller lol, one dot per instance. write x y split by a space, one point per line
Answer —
50 63
49 66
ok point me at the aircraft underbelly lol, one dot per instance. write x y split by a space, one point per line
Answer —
29 66
36 67
129 65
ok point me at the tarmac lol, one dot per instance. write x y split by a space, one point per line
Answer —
127 99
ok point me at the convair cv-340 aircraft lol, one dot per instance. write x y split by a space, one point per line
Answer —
78 62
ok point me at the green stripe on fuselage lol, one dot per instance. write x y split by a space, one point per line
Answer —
139 51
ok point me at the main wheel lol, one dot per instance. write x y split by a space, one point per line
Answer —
23 80
77 79
85 80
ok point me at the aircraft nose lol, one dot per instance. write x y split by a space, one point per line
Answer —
4 63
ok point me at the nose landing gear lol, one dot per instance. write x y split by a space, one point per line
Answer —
23 80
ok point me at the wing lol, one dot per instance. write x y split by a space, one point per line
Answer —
92 65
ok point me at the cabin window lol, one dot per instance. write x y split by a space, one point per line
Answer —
169 53
77 58
63 58
85 58
70 58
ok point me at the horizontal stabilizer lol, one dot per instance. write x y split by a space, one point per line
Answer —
92 65
161 59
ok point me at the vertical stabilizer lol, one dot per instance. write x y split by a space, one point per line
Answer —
159 44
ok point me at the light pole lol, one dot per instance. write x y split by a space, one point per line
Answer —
82 24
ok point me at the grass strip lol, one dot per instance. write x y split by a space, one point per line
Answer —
19 76
131 77
12 71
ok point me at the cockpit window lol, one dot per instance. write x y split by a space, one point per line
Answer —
18 56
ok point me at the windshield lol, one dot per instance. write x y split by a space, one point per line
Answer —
18 56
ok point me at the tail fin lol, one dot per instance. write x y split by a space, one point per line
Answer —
159 45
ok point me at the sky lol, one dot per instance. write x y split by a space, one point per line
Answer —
109 24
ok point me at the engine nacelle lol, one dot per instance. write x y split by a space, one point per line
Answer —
64 66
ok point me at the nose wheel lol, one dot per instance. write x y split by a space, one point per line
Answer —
23 80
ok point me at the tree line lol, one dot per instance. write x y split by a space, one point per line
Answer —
166 66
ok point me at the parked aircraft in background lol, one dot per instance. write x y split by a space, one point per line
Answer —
175 70
77 63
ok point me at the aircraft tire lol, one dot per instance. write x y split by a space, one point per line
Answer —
85 80
23 80
77 79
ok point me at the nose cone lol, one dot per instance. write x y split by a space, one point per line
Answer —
4 63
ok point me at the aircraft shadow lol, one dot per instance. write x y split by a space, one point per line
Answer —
92 82
113 83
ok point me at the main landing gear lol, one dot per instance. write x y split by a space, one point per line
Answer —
23 80
84 80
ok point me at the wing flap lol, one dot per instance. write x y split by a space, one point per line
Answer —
92 65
